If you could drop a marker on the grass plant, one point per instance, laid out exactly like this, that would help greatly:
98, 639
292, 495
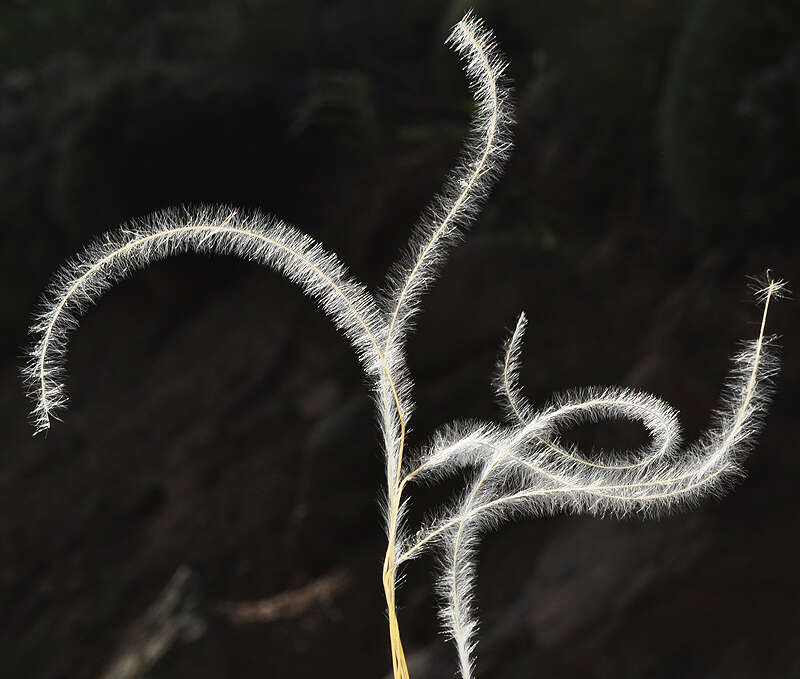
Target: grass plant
520, 467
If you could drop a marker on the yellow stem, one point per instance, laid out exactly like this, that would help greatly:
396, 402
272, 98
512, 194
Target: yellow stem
399, 666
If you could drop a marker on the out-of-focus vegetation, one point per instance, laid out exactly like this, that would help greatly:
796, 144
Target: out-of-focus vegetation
32, 31
728, 129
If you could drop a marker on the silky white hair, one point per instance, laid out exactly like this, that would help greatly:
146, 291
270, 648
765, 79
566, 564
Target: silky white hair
521, 467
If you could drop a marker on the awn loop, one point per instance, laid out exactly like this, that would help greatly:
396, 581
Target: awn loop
611, 403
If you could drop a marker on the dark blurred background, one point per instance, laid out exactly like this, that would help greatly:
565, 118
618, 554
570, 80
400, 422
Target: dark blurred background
220, 441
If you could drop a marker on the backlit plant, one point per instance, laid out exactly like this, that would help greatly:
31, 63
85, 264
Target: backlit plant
521, 467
